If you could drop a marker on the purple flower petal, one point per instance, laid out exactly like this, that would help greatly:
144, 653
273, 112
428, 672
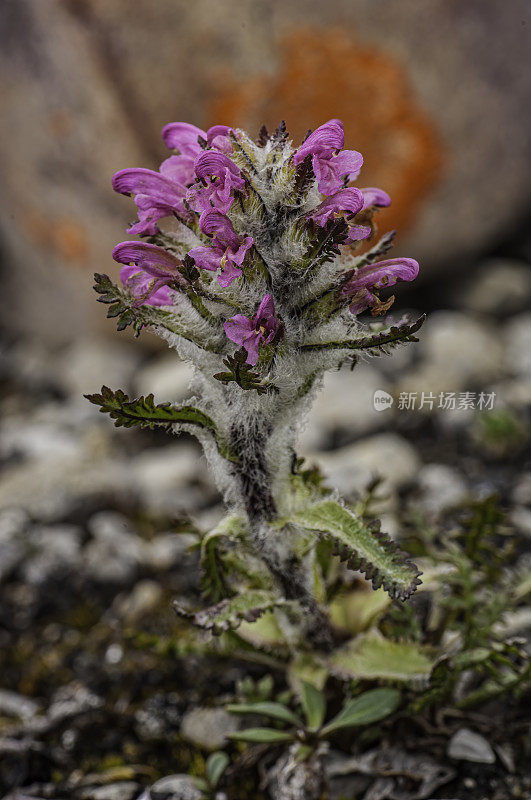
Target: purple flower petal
324, 141
357, 233
229, 272
372, 196
349, 199
162, 191
377, 276
218, 226
144, 288
238, 328
207, 257
155, 261
218, 136
331, 172
183, 137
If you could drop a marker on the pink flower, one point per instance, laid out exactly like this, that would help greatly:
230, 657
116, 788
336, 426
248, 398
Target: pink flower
184, 137
226, 251
157, 194
332, 172
345, 200
369, 279
249, 333
218, 176
331, 167
375, 197
323, 142
147, 272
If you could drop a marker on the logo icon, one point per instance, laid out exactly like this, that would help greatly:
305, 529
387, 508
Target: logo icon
382, 400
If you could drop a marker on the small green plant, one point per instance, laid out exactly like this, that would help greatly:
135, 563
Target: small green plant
307, 734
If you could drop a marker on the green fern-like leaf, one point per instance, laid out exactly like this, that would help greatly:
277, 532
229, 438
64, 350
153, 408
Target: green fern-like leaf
213, 568
229, 614
145, 413
363, 548
378, 342
372, 657
123, 306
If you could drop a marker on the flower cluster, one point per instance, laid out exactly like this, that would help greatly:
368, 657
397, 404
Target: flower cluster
210, 185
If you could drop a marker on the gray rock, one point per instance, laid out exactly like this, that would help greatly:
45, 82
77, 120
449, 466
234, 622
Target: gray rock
350, 468
141, 602
166, 478
166, 376
208, 727
56, 549
500, 286
115, 552
522, 491
441, 487
344, 403
467, 745
49, 490
121, 790
168, 550
16, 705
518, 344
21, 438
88, 364
457, 353
521, 519
175, 787
159, 717
13, 522
71, 701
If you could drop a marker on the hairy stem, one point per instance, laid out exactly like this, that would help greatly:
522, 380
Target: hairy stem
249, 440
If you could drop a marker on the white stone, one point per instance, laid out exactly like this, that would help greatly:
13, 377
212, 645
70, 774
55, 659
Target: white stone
88, 365
167, 550
467, 745
518, 344
350, 468
456, 352
208, 727
166, 376
344, 403
441, 487
498, 286
166, 478
143, 600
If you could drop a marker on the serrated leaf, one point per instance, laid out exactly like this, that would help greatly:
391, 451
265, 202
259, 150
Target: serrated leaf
264, 634
313, 705
145, 413
369, 707
364, 549
377, 343
261, 736
216, 765
371, 657
127, 312
213, 577
266, 709
229, 614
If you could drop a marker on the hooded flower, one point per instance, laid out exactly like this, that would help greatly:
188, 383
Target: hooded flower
365, 283
249, 333
331, 167
373, 196
226, 251
157, 194
218, 176
348, 200
184, 137
147, 272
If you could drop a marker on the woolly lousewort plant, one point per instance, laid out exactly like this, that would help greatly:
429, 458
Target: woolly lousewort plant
255, 263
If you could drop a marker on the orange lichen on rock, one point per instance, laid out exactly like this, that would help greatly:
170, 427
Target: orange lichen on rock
325, 74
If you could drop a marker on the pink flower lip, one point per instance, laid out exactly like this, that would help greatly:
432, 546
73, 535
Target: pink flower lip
249, 333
